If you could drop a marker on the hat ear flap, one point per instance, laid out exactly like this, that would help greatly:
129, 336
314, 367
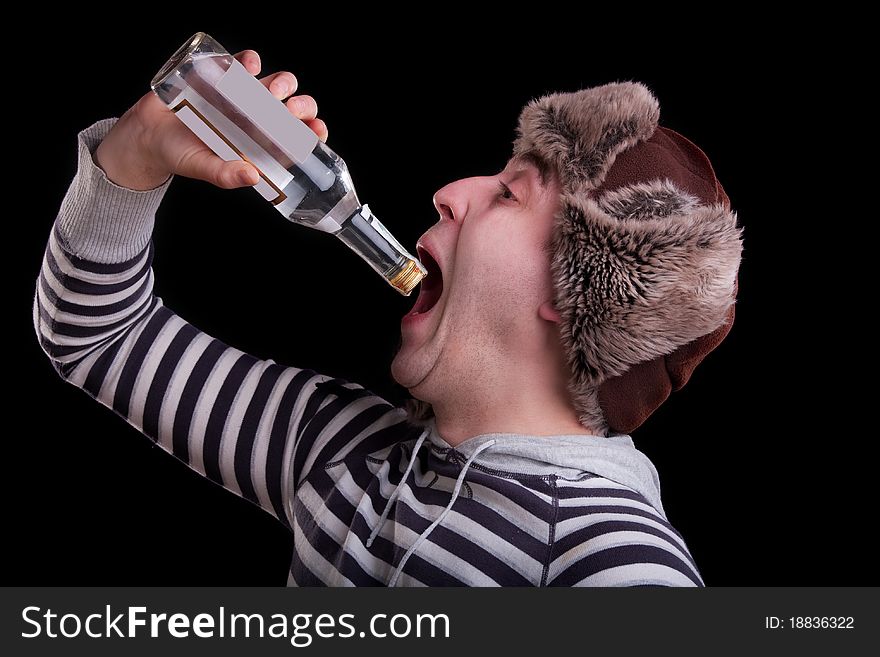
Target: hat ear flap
640, 272
656, 198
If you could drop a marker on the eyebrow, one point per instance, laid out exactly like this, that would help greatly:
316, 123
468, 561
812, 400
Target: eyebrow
539, 163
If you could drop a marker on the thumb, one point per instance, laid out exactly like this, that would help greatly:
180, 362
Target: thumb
205, 165
234, 174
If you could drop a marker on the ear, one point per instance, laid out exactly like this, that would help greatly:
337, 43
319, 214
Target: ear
548, 311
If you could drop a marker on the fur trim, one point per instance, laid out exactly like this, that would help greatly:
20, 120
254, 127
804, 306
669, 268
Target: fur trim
639, 285
654, 199
580, 134
586, 403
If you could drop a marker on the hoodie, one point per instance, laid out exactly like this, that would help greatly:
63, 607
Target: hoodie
370, 497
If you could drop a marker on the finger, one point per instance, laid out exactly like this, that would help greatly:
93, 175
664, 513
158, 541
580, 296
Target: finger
250, 59
303, 107
319, 128
281, 84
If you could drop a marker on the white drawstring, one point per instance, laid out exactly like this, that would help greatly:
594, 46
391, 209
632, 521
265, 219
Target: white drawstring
424, 534
394, 495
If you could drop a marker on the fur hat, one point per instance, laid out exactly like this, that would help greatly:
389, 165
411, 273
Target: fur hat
645, 249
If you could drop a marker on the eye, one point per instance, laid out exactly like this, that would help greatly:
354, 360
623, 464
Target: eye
505, 193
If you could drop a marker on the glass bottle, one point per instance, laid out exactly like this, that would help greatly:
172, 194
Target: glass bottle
236, 116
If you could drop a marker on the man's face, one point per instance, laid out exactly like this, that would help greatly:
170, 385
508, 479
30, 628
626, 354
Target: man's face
488, 274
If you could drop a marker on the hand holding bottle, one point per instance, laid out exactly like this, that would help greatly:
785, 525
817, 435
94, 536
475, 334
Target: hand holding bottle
227, 128
149, 143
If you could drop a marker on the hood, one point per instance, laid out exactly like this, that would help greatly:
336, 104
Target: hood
567, 455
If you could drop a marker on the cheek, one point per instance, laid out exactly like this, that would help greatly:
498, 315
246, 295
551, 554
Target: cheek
506, 265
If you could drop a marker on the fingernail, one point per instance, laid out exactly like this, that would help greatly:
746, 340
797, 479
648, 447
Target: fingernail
246, 177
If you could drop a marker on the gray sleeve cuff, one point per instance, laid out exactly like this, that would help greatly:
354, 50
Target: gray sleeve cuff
99, 220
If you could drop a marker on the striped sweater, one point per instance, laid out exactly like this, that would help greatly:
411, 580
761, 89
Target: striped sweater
370, 497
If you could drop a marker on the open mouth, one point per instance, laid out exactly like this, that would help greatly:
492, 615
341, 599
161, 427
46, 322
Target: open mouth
431, 286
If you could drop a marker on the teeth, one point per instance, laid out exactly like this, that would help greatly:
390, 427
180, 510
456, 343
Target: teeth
431, 286
421, 253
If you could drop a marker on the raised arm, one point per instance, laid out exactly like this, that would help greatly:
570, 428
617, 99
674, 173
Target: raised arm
253, 426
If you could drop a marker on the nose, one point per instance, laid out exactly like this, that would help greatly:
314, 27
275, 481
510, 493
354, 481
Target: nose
451, 201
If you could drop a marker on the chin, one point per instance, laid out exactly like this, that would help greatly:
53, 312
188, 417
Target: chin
402, 374
408, 372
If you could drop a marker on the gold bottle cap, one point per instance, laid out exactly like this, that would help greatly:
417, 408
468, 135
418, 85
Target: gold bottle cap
407, 276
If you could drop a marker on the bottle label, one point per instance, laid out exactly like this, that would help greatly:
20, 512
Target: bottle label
213, 139
253, 100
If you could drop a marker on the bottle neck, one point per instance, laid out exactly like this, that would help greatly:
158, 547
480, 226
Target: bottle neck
364, 234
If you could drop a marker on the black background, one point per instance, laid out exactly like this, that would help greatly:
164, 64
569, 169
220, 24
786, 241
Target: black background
757, 470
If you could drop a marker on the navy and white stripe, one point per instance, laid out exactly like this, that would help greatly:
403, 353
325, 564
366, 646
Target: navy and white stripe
322, 455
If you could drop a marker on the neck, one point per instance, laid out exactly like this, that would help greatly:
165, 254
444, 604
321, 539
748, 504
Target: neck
506, 404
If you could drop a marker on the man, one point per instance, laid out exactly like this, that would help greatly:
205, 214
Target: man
567, 296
